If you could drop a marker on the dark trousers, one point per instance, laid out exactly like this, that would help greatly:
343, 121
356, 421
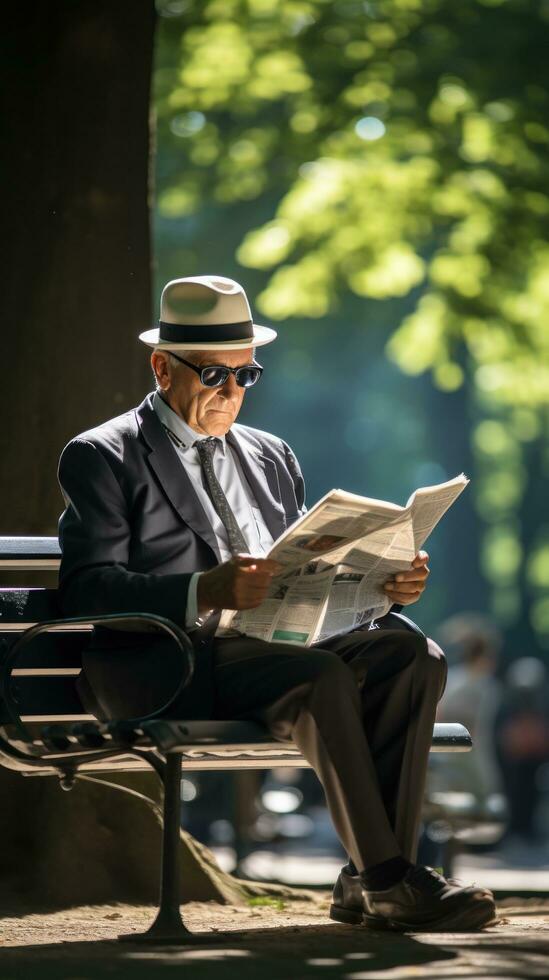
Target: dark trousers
361, 709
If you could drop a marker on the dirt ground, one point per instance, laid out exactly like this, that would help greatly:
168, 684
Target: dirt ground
272, 942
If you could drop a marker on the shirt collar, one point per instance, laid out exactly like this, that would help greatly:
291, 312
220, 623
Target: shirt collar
184, 432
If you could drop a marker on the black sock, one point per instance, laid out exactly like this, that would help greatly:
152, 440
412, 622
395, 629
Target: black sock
350, 867
385, 875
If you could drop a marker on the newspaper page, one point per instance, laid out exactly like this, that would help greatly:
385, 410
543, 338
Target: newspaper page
335, 561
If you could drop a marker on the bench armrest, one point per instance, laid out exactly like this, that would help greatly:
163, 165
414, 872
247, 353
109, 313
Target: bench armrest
154, 623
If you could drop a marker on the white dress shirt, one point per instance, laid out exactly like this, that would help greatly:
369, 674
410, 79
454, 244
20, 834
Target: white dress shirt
236, 488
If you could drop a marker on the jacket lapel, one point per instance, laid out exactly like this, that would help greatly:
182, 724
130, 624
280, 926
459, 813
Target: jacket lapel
172, 476
261, 474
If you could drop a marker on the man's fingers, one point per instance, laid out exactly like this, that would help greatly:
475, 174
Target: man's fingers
244, 561
404, 598
255, 569
416, 578
405, 588
268, 564
412, 574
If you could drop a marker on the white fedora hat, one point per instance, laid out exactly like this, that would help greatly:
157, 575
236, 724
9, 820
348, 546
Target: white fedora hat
202, 312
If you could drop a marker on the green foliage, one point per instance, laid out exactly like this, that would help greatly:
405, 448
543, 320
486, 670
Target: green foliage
408, 147
275, 903
403, 145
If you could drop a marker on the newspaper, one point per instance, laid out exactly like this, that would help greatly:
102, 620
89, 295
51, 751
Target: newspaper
335, 561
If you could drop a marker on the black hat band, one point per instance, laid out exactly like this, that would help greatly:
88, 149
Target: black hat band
183, 333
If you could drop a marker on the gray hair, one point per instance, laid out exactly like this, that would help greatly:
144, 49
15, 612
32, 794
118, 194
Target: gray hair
171, 361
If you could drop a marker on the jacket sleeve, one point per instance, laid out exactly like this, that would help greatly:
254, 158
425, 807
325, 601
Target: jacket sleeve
297, 478
94, 534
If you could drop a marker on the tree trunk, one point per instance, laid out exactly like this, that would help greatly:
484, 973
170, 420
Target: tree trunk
97, 845
77, 288
76, 295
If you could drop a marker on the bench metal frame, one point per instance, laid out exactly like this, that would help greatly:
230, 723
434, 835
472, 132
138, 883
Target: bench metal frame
165, 746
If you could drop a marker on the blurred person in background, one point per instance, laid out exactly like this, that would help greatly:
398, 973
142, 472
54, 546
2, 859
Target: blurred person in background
464, 796
522, 743
473, 694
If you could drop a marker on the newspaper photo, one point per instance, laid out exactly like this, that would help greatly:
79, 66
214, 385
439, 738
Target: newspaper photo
335, 561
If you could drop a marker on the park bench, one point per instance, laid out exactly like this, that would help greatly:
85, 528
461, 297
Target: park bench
44, 730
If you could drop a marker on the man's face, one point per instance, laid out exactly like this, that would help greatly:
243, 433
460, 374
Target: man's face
209, 411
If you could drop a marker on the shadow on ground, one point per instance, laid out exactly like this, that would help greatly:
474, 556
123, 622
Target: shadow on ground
329, 951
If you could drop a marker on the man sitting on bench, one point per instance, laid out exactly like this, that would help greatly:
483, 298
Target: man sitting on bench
169, 509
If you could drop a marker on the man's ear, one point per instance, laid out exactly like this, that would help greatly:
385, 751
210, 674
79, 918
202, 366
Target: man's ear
161, 369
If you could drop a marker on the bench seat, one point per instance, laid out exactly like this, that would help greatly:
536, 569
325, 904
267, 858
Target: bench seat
202, 745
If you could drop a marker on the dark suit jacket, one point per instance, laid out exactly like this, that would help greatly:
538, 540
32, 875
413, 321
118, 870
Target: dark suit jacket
132, 534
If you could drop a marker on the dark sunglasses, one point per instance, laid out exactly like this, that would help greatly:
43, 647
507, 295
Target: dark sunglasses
215, 375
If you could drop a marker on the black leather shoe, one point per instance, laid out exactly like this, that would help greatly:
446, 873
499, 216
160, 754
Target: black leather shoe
426, 901
348, 904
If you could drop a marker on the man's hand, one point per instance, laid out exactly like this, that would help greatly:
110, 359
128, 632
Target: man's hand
240, 583
406, 587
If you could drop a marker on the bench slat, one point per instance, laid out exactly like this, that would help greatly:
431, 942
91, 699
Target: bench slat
30, 553
258, 752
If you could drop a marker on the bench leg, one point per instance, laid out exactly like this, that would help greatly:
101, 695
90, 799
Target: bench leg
168, 927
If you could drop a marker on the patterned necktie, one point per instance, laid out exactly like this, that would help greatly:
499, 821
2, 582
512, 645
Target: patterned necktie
237, 542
